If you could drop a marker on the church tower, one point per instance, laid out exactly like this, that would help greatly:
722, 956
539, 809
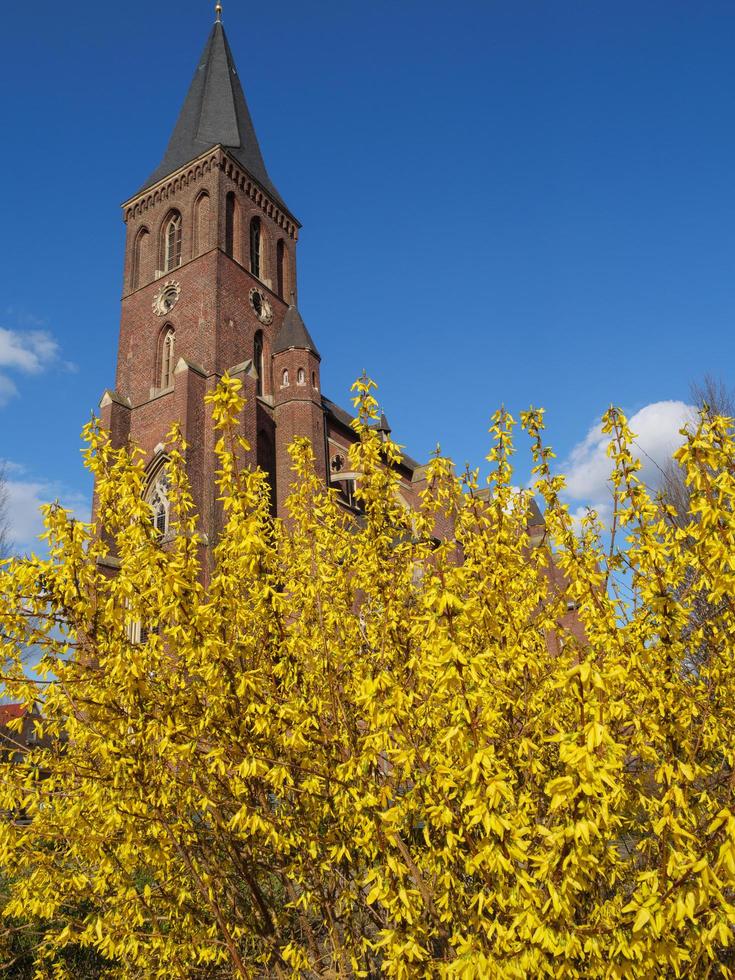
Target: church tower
210, 286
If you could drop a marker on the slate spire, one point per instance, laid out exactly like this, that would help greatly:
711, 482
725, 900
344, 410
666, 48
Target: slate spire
215, 113
293, 332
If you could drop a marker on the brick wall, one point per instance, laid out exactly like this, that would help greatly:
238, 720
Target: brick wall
215, 326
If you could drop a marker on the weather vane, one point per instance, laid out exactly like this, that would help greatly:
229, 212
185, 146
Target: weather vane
218, 11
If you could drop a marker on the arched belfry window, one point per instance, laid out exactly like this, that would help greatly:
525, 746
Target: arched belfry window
140, 258
167, 358
281, 268
256, 248
284, 379
172, 242
301, 377
258, 361
232, 227
157, 497
201, 224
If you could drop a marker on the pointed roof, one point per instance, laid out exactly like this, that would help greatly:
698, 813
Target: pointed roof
215, 113
293, 332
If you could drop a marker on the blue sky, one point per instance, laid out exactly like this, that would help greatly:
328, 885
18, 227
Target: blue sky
503, 202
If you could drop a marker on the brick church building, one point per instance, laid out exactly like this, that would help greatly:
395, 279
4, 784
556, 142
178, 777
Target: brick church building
210, 286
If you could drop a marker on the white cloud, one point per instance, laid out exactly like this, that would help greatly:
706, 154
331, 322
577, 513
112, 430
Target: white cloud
24, 499
656, 427
29, 351
7, 390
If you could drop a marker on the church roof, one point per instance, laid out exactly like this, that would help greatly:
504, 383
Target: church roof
293, 332
215, 113
345, 418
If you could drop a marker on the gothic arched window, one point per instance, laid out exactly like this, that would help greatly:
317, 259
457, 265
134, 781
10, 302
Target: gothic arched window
232, 227
258, 361
157, 497
140, 257
284, 379
201, 224
256, 248
301, 377
172, 242
166, 358
281, 268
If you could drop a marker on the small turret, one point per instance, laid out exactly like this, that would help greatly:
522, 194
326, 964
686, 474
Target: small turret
295, 359
293, 334
297, 392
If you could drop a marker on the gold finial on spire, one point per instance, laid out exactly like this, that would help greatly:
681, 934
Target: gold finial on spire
218, 12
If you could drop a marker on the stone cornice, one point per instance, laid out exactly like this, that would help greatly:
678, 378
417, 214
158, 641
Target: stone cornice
215, 159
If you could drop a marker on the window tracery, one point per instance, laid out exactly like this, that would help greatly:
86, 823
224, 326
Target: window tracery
157, 497
172, 243
167, 360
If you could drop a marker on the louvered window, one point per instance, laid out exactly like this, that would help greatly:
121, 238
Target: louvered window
232, 227
280, 268
258, 361
255, 250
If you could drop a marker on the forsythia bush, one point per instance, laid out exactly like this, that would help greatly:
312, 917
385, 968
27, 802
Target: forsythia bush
357, 751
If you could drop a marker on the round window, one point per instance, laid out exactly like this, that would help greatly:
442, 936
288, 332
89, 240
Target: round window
166, 298
262, 307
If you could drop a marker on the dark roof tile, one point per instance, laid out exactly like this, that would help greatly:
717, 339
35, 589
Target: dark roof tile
334, 410
215, 113
293, 332
339, 414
